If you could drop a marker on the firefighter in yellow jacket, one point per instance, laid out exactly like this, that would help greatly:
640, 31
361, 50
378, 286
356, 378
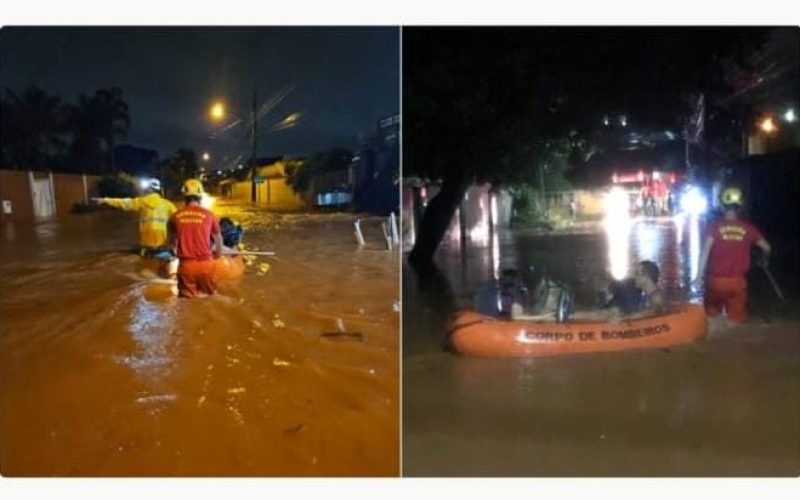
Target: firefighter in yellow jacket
154, 212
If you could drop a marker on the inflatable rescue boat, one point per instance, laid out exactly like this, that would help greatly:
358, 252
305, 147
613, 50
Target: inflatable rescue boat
473, 334
225, 267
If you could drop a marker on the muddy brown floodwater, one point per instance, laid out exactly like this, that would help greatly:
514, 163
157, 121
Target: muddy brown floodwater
725, 406
104, 373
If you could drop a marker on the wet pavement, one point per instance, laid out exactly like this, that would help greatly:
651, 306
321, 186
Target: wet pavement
104, 373
726, 406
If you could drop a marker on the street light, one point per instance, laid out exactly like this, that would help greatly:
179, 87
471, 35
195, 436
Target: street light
789, 116
206, 156
217, 111
768, 125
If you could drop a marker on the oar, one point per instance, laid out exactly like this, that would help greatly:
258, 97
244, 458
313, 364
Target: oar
246, 252
774, 283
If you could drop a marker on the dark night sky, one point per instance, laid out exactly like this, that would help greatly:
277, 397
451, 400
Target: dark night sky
344, 79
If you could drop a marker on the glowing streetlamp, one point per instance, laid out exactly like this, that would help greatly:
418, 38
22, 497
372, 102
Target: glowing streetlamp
217, 111
790, 116
206, 156
767, 125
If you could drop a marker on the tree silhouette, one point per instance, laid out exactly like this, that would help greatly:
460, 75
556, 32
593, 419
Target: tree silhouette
300, 176
177, 168
33, 128
95, 124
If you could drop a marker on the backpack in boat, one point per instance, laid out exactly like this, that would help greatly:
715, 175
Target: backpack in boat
232, 233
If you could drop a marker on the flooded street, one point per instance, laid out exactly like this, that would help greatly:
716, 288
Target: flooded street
104, 373
726, 406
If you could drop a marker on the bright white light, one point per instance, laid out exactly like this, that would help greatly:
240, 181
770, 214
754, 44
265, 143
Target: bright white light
480, 231
606, 121
617, 224
617, 204
694, 201
143, 183
694, 247
495, 255
617, 236
789, 116
623, 120
207, 201
647, 241
494, 211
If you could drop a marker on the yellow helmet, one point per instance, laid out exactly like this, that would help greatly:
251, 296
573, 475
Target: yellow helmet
192, 187
731, 196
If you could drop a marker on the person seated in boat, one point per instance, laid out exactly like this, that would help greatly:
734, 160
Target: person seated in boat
232, 234
634, 297
498, 297
546, 300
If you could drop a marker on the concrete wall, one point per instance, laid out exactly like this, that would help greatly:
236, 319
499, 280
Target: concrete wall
15, 187
68, 189
590, 203
275, 193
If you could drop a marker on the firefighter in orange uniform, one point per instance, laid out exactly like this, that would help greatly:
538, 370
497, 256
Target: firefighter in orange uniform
191, 229
725, 259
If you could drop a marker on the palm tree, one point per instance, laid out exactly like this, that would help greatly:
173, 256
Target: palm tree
33, 128
96, 122
85, 150
113, 119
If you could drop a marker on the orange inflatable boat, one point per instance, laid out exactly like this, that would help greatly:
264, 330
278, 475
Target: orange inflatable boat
474, 334
225, 267
228, 267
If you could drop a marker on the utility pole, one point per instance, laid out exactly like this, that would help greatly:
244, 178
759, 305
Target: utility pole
542, 194
253, 162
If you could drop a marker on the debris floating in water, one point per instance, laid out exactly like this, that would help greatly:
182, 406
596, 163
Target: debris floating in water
236, 390
396, 307
356, 336
256, 323
280, 362
277, 323
200, 401
156, 398
340, 324
295, 429
263, 268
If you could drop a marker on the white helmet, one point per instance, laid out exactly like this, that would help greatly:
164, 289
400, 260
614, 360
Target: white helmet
151, 184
